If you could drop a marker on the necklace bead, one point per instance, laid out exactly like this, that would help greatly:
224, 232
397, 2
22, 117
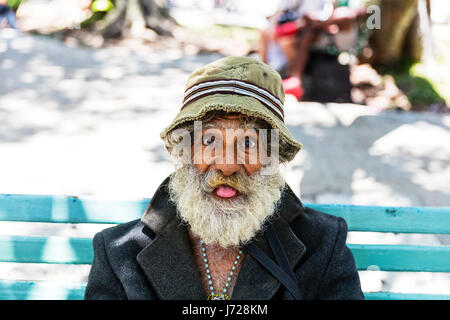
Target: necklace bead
227, 283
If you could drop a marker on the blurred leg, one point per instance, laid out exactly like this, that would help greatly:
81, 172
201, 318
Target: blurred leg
296, 50
11, 17
306, 39
290, 46
264, 39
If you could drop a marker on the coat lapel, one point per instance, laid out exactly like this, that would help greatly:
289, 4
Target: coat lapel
169, 264
168, 261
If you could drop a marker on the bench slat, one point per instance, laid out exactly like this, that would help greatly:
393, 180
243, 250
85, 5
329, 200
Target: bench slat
404, 296
432, 220
43, 290
56, 250
40, 290
69, 209
401, 257
79, 251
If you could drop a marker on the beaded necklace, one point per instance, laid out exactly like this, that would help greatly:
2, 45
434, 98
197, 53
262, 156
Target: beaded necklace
223, 295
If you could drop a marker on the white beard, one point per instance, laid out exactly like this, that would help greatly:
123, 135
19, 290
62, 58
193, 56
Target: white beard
227, 222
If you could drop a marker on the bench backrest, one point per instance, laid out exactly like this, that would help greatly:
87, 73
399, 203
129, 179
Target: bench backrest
69, 209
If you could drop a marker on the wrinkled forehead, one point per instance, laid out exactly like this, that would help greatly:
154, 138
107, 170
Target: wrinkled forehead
222, 120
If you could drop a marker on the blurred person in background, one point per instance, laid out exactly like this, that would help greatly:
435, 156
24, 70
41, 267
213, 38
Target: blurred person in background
295, 27
7, 13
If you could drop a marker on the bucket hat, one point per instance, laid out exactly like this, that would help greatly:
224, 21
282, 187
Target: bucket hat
236, 84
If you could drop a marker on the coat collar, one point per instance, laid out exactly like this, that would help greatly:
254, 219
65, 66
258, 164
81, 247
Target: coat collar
169, 264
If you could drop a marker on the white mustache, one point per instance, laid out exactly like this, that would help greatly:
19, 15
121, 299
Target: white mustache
238, 181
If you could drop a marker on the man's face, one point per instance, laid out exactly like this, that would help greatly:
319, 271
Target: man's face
223, 196
229, 149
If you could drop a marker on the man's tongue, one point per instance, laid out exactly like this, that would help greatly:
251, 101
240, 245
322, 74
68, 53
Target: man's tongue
225, 192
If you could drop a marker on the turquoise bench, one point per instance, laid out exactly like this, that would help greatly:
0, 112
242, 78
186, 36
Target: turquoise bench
73, 210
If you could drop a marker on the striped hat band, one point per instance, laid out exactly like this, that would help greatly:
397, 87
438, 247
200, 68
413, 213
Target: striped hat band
231, 86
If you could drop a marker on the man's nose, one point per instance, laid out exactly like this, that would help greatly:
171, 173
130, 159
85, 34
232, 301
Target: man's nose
227, 162
228, 169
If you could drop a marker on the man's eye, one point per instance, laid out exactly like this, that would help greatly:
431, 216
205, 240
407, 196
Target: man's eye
248, 143
207, 140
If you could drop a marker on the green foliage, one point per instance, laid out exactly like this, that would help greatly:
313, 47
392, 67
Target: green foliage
102, 5
424, 83
96, 16
14, 4
421, 91
99, 9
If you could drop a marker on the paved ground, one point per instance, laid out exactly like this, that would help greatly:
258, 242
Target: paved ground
80, 121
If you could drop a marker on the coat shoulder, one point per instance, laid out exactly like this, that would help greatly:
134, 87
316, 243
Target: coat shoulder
306, 221
115, 273
320, 219
317, 229
133, 233
328, 263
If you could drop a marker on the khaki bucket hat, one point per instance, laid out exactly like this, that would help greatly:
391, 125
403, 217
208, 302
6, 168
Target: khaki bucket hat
236, 84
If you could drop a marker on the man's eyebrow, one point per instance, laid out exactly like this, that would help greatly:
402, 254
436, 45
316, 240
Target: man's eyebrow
244, 125
212, 125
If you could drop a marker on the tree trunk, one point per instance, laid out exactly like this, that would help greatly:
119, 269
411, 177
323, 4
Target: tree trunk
114, 21
134, 15
157, 16
399, 36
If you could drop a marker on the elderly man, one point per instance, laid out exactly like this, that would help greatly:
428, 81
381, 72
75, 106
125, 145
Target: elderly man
225, 225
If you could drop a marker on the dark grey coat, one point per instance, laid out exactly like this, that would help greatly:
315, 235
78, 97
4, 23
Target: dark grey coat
152, 258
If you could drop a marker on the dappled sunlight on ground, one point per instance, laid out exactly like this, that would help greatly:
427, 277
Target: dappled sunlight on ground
355, 155
88, 123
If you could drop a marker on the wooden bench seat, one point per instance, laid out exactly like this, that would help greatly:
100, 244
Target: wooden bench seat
68, 209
